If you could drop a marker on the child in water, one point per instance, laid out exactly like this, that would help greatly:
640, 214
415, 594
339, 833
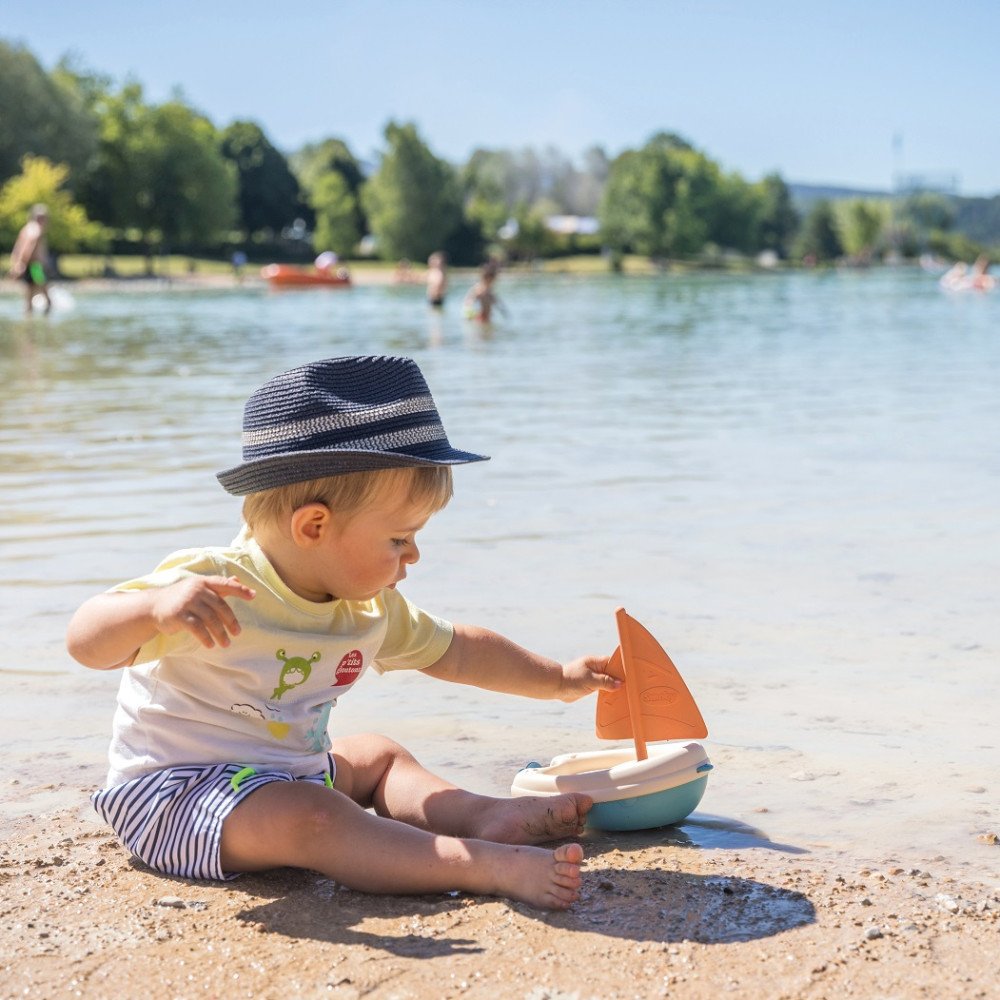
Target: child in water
481, 299
234, 656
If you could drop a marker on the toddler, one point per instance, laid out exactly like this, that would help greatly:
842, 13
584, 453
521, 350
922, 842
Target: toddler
234, 656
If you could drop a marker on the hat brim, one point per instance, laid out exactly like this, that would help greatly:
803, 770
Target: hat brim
283, 470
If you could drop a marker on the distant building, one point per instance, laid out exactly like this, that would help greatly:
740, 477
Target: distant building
572, 225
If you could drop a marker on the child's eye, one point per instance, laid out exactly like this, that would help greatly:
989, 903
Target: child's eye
400, 542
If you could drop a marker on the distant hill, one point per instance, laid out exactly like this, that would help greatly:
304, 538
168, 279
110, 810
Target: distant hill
806, 195
979, 219
976, 218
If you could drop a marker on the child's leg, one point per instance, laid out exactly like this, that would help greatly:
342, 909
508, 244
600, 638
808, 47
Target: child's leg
378, 773
304, 825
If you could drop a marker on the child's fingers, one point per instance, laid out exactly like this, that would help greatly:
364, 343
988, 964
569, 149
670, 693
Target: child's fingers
230, 586
216, 617
596, 673
209, 632
204, 612
215, 620
209, 627
605, 682
586, 675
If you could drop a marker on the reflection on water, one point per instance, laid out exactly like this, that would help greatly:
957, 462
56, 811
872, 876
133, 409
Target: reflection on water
790, 479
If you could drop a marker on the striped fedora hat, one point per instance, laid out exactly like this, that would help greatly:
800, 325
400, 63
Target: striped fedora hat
352, 414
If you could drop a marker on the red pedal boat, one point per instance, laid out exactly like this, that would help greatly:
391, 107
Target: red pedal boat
289, 276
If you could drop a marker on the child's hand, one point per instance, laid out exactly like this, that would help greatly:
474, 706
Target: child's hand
196, 605
589, 673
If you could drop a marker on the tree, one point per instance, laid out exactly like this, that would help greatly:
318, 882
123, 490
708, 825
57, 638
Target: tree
590, 181
978, 219
485, 181
313, 164
860, 224
159, 169
778, 221
412, 201
193, 191
315, 160
685, 229
43, 182
818, 239
667, 199
336, 211
632, 204
269, 197
927, 211
112, 185
41, 115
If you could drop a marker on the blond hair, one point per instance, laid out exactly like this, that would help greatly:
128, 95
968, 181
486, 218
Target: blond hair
426, 487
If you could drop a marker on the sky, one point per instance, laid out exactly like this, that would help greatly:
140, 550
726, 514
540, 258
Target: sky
852, 93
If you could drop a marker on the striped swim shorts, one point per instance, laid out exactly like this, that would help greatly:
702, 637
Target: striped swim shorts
172, 819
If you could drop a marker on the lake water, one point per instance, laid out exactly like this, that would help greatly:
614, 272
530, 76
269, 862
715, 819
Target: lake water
791, 480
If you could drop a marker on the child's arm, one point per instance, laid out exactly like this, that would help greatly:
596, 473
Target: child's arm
107, 630
485, 659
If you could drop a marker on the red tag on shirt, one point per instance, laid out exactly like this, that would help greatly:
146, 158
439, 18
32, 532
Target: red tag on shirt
348, 669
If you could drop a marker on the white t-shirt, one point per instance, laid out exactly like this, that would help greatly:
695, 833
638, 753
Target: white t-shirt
264, 701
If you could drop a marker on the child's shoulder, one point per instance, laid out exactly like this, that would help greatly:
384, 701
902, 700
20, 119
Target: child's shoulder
206, 560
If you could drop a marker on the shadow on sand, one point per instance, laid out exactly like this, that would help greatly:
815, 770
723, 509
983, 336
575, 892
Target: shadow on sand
657, 902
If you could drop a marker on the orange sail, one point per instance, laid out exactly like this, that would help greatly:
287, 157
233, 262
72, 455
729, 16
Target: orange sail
654, 702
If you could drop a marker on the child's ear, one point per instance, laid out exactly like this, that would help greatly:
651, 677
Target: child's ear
309, 522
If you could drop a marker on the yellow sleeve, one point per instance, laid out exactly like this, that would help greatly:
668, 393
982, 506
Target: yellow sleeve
414, 639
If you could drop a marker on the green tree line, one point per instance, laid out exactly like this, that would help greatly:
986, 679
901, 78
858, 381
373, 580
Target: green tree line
120, 172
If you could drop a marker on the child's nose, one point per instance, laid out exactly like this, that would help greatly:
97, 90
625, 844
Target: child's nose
412, 553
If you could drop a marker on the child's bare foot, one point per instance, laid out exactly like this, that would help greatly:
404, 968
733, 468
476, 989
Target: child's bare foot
546, 879
534, 819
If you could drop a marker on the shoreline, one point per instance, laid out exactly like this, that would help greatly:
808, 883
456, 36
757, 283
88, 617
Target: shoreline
367, 275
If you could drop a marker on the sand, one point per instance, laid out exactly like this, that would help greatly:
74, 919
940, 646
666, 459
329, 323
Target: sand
657, 917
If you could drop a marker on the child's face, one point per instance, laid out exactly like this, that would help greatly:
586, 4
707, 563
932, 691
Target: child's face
370, 549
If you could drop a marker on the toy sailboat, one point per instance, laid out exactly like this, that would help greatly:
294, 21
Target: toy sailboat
634, 790
654, 702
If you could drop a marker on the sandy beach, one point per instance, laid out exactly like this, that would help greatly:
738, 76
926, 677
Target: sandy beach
656, 919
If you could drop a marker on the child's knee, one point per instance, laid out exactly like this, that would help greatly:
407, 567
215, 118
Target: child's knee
367, 751
363, 762
386, 750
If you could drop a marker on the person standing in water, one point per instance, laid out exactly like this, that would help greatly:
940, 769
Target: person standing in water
437, 279
30, 257
481, 299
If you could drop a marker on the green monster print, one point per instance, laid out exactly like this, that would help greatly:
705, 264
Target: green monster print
295, 671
